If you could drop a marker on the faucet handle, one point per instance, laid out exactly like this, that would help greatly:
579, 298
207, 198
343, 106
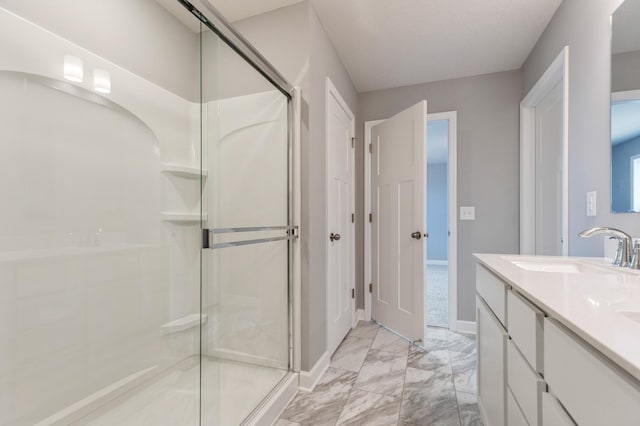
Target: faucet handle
618, 259
635, 259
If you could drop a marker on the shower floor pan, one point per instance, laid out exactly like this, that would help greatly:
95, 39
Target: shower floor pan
230, 392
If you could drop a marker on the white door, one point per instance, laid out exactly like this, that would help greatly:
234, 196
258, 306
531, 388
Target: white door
549, 174
398, 186
340, 191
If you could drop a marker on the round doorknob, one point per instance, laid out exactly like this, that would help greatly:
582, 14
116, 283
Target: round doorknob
334, 237
417, 235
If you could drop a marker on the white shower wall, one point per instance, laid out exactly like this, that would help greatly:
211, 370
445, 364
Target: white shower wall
92, 275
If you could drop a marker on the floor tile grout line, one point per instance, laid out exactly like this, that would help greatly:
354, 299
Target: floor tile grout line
453, 382
353, 385
404, 384
455, 388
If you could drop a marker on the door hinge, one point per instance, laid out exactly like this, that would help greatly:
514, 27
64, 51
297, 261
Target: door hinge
353, 218
353, 293
353, 142
370, 287
206, 238
370, 217
370, 148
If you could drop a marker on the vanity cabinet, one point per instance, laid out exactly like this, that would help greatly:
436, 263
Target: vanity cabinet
533, 371
492, 372
593, 390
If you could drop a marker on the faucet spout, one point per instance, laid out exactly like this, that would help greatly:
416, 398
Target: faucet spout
623, 257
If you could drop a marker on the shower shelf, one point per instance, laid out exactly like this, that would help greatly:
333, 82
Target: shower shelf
188, 172
184, 323
182, 217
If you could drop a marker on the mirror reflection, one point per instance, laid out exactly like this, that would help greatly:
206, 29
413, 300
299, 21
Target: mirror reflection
625, 108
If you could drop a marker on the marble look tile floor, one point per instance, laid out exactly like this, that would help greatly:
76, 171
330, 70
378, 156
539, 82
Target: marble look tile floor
377, 379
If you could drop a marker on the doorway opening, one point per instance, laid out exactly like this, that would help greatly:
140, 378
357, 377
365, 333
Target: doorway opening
437, 259
438, 266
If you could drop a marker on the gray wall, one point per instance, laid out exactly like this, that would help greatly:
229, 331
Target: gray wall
585, 27
488, 160
625, 71
139, 35
282, 36
437, 208
295, 42
621, 163
324, 63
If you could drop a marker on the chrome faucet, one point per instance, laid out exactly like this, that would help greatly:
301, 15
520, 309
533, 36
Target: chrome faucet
623, 255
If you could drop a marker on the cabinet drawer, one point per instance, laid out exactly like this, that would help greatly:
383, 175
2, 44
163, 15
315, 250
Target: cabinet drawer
525, 323
526, 385
590, 387
492, 371
514, 415
493, 290
552, 412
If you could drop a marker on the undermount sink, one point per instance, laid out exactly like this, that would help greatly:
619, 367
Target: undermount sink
571, 268
557, 265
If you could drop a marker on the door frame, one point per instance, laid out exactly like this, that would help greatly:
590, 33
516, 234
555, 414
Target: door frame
452, 250
556, 73
331, 90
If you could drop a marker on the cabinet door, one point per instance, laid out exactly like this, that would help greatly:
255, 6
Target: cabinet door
593, 390
492, 371
552, 412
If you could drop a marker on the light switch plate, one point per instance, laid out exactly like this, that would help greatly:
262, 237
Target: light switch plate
591, 203
467, 213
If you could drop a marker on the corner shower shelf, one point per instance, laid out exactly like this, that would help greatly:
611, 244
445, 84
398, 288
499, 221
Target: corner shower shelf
182, 217
188, 172
184, 323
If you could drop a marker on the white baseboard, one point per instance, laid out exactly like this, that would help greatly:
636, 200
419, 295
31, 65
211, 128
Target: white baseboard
277, 402
309, 379
437, 262
359, 315
467, 327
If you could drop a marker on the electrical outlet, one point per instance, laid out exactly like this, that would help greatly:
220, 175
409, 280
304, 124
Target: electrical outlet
467, 213
591, 203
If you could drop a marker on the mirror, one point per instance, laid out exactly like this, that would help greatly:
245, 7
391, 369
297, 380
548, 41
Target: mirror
625, 108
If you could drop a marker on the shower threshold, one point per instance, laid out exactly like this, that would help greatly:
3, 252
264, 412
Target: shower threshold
230, 393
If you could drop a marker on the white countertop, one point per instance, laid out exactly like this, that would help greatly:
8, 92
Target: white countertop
589, 303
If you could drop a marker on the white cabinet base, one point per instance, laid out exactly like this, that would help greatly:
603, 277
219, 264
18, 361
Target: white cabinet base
492, 371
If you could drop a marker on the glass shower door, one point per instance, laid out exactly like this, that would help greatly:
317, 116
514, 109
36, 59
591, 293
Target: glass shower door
245, 269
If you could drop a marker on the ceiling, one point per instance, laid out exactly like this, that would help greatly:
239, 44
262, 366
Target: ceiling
386, 44
391, 43
235, 10
625, 29
232, 10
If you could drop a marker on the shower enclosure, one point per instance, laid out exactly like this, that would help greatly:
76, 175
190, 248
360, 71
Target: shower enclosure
147, 238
